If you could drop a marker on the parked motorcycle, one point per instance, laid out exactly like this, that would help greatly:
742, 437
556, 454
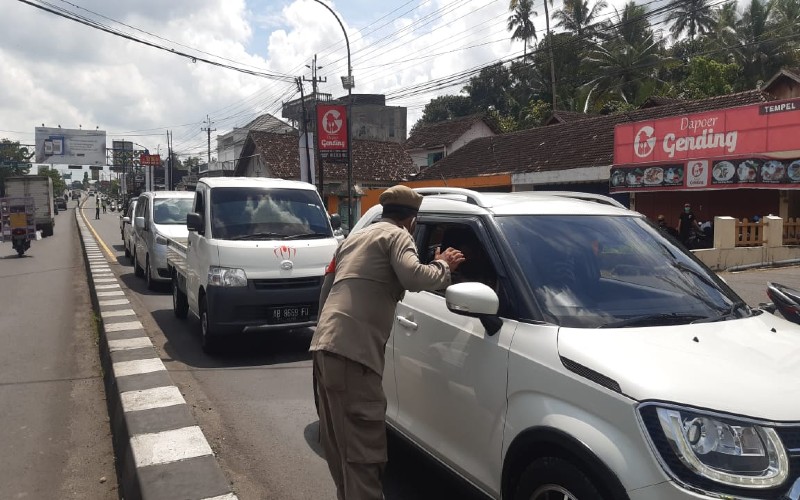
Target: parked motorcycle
785, 300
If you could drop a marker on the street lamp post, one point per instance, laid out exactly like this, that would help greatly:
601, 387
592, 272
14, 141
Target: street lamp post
348, 83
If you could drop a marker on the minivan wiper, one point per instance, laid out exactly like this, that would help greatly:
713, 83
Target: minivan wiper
306, 235
731, 312
258, 236
655, 320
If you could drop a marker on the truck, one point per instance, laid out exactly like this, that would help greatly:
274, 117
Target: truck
40, 188
254, 258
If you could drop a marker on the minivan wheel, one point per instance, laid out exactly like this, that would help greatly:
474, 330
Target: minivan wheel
180, 305
207, 340
148, 274
137, 269
555, 478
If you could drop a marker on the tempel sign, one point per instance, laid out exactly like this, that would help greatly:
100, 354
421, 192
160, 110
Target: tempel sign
757, 146
332, 128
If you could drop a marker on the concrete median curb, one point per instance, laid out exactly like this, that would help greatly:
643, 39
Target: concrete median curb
161, 452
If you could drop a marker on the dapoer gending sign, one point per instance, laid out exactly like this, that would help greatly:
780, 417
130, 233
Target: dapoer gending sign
756, 146
332, 129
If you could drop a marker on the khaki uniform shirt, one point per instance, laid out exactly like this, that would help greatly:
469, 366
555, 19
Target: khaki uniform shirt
374, 267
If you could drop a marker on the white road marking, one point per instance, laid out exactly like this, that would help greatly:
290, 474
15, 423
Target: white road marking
124, 344
169, 446
114, 314
229, 496
138, 366
113, 302
147, 399
106, 287
105, 280
126, 325
110, 294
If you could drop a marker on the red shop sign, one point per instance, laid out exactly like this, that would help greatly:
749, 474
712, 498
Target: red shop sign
332, 131
759, 129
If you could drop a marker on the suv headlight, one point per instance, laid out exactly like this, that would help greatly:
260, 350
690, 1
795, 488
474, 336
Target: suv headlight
226, 276
732, 452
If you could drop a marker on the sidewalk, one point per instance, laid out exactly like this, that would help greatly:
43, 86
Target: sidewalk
161, 452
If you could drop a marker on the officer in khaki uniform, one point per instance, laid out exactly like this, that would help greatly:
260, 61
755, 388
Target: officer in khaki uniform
373, 268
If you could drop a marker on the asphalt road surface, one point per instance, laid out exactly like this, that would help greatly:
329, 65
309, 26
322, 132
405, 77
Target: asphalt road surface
55, 440
255, 406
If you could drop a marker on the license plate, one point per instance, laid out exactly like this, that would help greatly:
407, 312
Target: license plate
292, 314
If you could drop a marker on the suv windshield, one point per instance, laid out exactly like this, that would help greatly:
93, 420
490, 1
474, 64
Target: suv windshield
171, 210
258, 213
600, 271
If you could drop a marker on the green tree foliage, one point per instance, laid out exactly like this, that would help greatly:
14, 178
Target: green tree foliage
578, 18
520, 23
59, 186
13, 151
708, 78
692, 17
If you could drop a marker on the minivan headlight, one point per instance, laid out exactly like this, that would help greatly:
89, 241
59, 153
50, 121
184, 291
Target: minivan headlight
725, 450
226, 276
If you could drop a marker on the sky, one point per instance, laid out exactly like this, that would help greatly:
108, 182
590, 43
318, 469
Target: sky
55, 71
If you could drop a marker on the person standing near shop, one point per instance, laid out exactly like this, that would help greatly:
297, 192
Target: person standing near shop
372, 270
687, 225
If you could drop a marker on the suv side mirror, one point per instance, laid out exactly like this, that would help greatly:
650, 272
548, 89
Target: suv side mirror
476, 300
126, 220
194, 222
336, 221
138, 222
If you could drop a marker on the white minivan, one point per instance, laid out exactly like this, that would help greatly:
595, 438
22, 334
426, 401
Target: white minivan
158, 215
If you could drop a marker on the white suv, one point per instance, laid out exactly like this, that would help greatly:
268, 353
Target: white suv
583, 355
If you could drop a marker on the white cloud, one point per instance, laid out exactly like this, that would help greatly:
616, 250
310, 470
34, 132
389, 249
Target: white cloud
56, 71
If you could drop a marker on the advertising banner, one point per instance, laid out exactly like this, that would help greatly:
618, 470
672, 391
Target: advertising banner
749, 146
332, 125
147, 160
64, 146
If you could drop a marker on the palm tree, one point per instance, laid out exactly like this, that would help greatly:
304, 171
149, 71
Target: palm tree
632, 26
692, 16
521, 23
787, 15
577, 17
757, 50
513, 5
621, 68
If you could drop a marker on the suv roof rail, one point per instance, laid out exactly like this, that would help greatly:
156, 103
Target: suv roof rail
599, 198
472, 197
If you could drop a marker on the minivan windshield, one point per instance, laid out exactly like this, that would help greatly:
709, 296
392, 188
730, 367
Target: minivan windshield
266, 214
171, 210
590, 271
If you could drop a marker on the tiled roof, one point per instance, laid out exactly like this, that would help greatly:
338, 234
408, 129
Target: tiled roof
269, 123
566, 116
373, 161
581, 143
656, 100
444, 133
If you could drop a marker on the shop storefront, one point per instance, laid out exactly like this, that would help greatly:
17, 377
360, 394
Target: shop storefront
737, 162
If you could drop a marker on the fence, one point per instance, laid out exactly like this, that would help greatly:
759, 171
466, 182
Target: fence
749, 234
791, 231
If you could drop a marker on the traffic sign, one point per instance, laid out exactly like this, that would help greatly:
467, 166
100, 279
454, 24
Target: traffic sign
76, 166
14, 164
95, 167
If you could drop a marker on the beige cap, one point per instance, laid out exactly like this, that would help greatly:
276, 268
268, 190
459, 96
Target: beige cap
401, 196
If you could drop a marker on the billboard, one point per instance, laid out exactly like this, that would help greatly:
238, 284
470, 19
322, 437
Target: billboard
752, 146
332, 131
62, 146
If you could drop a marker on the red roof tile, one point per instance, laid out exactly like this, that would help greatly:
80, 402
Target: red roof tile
373, 161
446, 132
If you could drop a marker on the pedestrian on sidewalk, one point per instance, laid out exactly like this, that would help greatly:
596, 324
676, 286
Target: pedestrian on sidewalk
104, 205
371, 271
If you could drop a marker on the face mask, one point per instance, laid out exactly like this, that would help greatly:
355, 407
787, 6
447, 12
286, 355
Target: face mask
687, 209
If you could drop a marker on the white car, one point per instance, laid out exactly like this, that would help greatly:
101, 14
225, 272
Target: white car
158, 215
582, 355
126, 228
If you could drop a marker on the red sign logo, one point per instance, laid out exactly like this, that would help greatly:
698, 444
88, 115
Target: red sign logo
645, 142
285, 252
332, 132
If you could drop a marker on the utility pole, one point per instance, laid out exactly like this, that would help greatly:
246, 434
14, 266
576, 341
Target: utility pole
209, 130
317, 154
299, 82
168, 180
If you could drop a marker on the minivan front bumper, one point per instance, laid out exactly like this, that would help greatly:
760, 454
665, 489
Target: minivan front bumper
669, 490
253, 308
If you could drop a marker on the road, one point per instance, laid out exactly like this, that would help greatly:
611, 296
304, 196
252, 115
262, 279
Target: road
55, 440
254, 401
255, 405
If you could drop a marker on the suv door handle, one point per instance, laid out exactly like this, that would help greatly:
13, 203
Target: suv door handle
406, 322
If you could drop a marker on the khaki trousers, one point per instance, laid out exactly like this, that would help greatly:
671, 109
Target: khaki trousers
352, 425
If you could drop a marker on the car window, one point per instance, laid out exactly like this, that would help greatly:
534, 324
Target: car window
171, 211
259, 213
601, 271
